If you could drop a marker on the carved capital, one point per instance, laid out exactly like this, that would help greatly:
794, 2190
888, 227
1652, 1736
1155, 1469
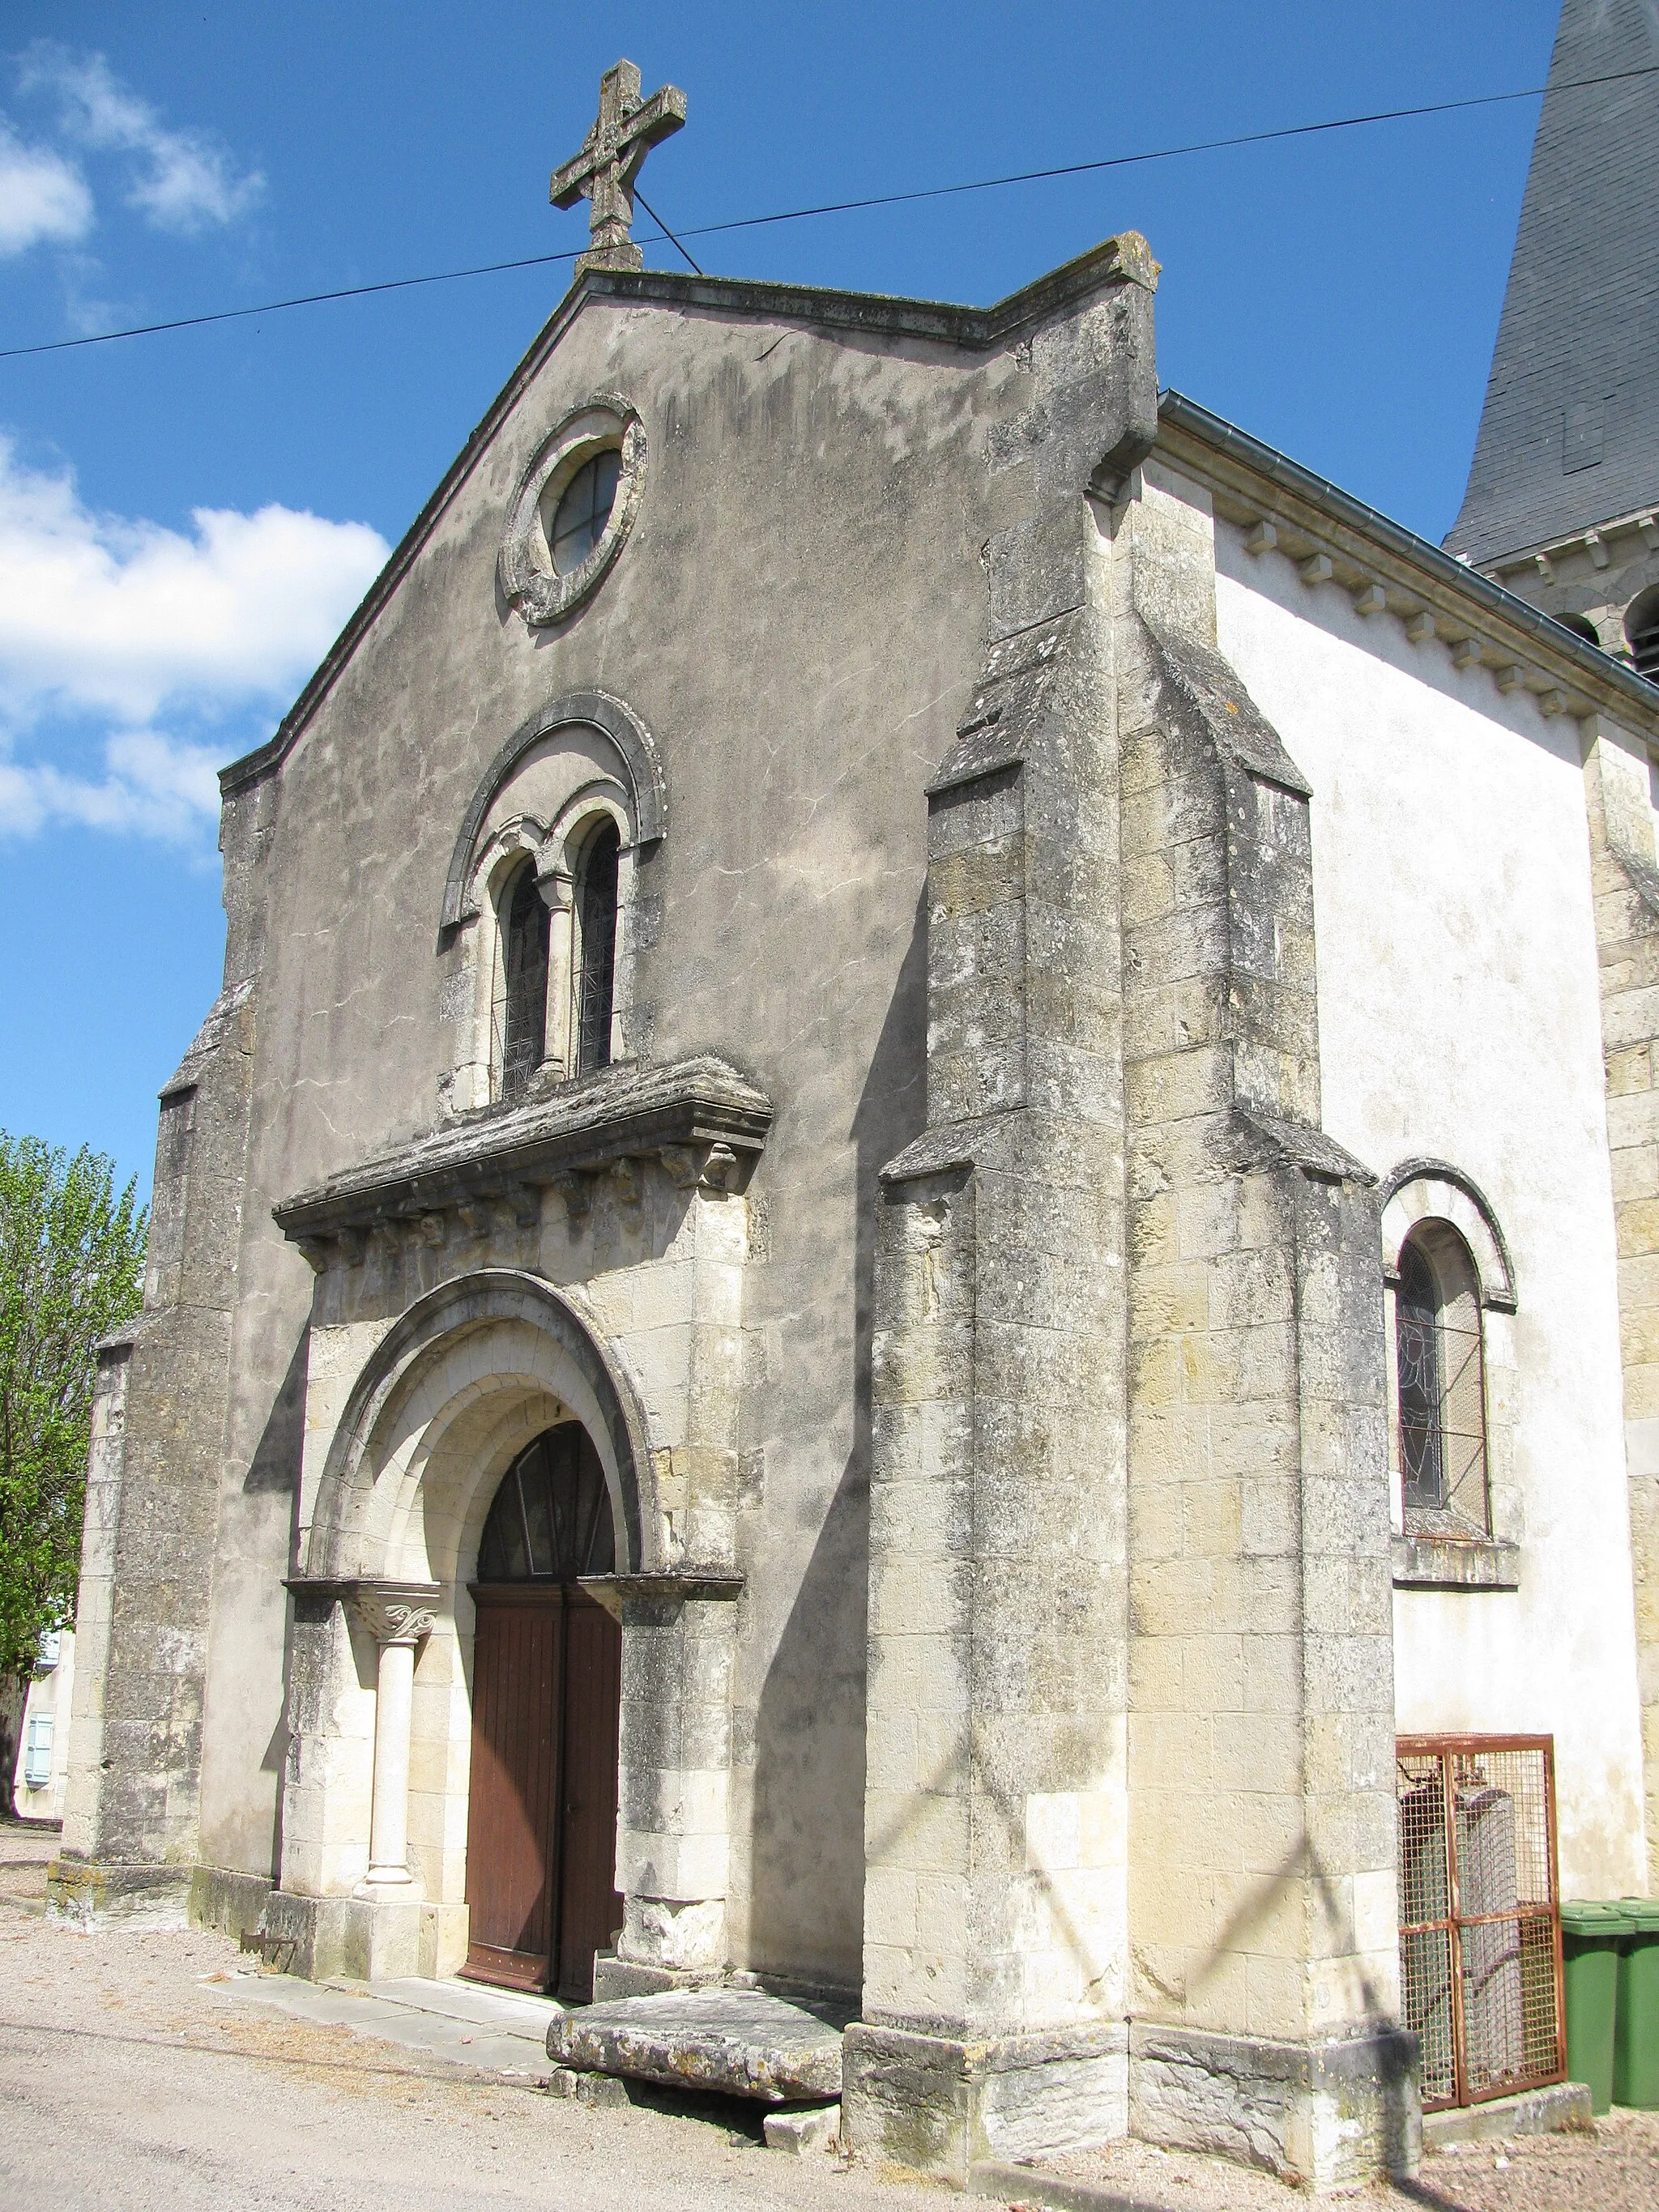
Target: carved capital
394, 1613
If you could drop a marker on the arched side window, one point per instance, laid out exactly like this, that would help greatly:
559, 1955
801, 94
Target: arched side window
1441, 1388
593, 954
1449, 1301
1642, 633
519, 1009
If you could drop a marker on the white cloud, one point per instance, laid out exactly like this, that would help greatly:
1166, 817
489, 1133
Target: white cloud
152, 786
43, 199
186, 183
125, 625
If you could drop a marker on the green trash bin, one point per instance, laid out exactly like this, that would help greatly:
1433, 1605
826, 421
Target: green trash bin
1590, 1938
1635, 2034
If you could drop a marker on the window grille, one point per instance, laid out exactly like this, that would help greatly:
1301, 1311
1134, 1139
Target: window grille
37, 1752
1480, 1914
1442, 1386
520, 1010
593, 971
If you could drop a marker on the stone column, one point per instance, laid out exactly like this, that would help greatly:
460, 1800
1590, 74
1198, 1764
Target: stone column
397, 1621
1626, 886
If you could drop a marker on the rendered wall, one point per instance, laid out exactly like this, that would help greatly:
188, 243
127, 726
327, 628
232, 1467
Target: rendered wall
1460, 1019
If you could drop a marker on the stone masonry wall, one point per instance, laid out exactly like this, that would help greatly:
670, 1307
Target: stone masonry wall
1627, 891
140, 1807
1262, 1898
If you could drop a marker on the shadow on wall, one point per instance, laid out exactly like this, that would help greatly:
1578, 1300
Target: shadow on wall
274, 1472
807, 1839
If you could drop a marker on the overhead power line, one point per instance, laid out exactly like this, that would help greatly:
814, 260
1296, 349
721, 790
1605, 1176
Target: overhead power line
845, 207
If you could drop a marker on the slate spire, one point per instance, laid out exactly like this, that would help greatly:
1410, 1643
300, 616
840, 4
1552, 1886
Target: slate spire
1570, 433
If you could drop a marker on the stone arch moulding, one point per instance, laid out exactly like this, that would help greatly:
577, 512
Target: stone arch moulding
642, 776
422, 1333
1448, 1195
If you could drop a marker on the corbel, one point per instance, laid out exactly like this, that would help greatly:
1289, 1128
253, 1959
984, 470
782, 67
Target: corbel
577, 1192
353, 1243
1370, 600
1316, 568
474, 1216
1263, 539
523, 1201
625, 1177
701, 1167
316, 1252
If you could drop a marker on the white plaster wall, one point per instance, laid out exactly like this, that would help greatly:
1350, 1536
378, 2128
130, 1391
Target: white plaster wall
1459, 1017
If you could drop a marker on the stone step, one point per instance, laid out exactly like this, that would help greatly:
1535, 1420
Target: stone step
742, 2043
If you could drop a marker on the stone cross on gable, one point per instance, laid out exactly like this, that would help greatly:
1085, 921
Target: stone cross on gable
612, 153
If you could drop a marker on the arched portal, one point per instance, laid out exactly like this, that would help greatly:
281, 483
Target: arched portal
546, 1707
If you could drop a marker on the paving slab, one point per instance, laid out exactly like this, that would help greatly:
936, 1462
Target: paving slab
438, 2025
743, 2043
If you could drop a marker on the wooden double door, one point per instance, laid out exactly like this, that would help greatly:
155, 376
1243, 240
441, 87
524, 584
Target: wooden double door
542, 1816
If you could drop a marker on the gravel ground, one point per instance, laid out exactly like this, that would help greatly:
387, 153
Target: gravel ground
131, 2077
1616, 2169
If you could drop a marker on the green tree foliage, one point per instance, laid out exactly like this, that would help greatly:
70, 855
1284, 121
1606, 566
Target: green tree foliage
72, 1267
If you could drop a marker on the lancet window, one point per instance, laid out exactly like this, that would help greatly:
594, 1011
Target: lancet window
521, 1007
593, 964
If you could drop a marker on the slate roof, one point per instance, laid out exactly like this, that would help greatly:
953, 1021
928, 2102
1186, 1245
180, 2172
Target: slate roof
1570, 433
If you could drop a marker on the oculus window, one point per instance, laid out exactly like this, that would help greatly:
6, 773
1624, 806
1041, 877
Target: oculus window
580, 519
572, 510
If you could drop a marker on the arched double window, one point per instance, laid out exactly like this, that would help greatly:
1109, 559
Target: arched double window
1440, 1368
553, 999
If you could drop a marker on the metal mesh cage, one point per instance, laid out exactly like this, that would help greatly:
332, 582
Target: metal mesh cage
1479, 1922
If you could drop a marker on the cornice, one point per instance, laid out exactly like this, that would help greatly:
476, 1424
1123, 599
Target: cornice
1334, 538
701, 1121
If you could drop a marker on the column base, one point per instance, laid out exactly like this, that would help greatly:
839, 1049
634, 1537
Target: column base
1328, 2115
942, 2106
87, 1894
677, 1934
360, 1939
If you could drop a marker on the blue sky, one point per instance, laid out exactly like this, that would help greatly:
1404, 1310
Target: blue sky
185, 520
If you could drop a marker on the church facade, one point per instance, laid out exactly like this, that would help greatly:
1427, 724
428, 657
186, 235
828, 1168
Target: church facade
926, 1188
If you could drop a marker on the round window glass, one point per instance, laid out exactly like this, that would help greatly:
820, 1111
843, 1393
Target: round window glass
583, 512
